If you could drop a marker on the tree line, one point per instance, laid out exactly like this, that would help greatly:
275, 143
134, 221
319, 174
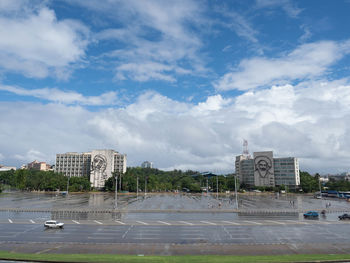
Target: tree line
153, 180
32, 180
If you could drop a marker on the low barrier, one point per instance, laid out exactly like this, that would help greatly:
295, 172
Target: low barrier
124, 210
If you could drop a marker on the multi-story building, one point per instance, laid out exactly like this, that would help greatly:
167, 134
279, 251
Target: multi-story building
97, 165
40, 166
264, 170
7, 168
147, 164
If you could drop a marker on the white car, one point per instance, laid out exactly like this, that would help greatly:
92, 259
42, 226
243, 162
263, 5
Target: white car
53, 224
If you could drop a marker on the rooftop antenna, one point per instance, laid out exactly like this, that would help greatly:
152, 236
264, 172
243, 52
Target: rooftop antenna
245, 148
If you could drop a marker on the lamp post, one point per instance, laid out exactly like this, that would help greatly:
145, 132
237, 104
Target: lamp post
145, 185
68, 184
236, 192
137, 187
207, 186
217, 187
116, 192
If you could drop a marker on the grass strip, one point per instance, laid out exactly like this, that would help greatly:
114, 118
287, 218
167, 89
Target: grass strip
171, 259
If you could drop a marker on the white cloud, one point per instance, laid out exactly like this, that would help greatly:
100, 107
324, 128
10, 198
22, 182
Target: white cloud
305, 62
239, 24
34, 43
287, 5
310, 121
155, 40
66, 97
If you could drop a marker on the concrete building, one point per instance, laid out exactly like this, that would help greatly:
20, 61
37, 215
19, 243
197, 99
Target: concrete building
7, 168
97, 165
264, 170
147, 164
40, 166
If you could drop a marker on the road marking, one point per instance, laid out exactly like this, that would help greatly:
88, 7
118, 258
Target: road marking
231, 223
76, 222
10, 221
119, 222
31, 221
124, 235
297, 222
165, 223
324, 222
99, 238
253, 222
275, 222
206, 222
98, 222
145, 238
187, 223
140, 222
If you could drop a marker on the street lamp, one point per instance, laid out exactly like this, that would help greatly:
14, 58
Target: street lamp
68, 184
236, 192
116, 192
145, 185
217, 187
137, 187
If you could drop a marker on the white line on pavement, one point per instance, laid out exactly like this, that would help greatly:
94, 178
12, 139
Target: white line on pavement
76, 222
297, 222
98, 222
145, 238
253, 222
275, 222
10, 221
165, 223
187, 223
206, 222
231, 223
140, 222
31, 221
119, 222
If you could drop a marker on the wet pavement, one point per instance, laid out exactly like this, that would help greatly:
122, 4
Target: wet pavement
99, 206
180, 201
203, 222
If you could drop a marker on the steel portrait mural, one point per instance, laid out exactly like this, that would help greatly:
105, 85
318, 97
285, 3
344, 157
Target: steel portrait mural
98, 168
263, 169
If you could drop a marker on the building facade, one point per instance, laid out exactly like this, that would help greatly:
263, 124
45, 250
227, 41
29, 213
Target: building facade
39, 166
264, 170
4, 168
147, 164
97, 165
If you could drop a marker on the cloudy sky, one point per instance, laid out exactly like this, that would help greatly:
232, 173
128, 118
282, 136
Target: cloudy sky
178, 83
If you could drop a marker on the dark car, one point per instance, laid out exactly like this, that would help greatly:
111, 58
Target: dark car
311, 214
344, 216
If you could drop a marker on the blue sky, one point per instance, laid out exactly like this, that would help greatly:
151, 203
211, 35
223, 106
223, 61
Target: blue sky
178, 83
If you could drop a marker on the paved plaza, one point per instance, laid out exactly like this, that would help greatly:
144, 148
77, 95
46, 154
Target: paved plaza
171, 224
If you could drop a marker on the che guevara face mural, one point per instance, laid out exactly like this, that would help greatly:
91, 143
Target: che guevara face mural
263, 165
99, 165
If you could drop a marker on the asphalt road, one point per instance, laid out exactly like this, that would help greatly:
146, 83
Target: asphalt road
204, 237
245, 232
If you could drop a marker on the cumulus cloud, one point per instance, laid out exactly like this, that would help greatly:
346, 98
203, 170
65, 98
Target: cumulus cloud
309, 121
287, 5
66, 97
34, 43
155, 40
305, 62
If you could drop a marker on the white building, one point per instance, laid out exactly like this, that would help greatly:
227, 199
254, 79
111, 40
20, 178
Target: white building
264, 170
7, 168
147, 164
97, 165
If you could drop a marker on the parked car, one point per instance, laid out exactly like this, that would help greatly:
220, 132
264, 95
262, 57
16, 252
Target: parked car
344, 216
53, 224
311, 214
